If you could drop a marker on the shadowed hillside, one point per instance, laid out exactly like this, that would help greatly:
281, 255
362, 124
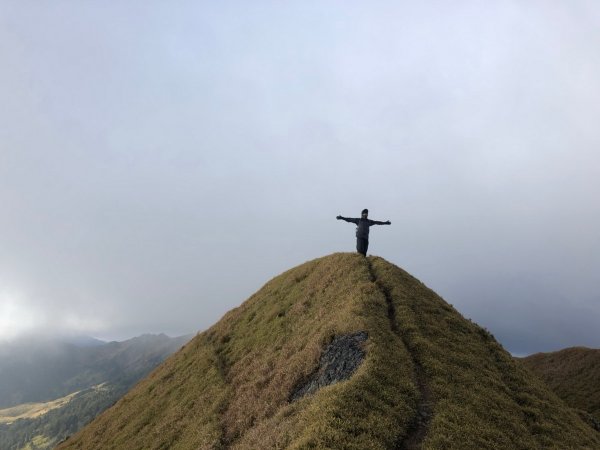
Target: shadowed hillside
46, 369
573, 373
54, 388
340, 352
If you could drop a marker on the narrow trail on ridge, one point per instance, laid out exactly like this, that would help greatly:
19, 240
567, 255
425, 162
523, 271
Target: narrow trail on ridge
419, 426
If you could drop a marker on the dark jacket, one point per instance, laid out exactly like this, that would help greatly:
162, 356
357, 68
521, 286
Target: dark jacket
362, 229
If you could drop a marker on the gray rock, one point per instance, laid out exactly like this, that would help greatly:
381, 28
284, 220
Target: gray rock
337, 363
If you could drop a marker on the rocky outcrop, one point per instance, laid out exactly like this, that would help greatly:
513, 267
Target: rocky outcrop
337, 363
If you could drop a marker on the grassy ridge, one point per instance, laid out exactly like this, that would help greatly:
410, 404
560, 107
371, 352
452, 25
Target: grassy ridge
483, 398
573, 373
230, 386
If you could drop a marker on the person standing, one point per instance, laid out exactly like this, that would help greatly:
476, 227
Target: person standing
362, 229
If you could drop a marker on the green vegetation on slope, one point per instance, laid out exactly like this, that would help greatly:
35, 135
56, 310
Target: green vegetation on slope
230, 387
41, 370
45, 431
573, 373
117, 365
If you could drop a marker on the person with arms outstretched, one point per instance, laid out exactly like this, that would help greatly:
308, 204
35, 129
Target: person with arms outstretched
362, 229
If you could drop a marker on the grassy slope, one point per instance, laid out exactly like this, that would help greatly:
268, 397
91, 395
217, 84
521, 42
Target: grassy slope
484, 399
229, 386
573, 373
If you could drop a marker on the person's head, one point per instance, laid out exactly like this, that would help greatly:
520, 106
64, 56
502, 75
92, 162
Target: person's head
365, 213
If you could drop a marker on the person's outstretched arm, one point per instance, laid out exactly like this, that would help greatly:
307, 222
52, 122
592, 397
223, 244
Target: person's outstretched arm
348, 219
377, 222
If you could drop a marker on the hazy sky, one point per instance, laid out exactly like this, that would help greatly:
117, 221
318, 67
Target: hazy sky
160, 161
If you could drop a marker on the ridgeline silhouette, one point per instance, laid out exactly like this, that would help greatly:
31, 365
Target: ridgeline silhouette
340, 352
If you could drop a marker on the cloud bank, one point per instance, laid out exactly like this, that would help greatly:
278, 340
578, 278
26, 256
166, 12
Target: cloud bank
159, 163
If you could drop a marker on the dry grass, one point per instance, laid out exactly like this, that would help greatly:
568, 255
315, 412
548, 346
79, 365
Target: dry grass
229, 387
483, 398
573, 373
33, 410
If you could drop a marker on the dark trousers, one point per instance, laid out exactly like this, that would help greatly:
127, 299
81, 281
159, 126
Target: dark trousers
361, 245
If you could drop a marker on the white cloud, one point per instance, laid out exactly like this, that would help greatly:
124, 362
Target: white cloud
16, 317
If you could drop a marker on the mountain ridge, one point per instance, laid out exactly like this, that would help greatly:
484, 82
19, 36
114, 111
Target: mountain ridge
34, 370
573, 373
429, 376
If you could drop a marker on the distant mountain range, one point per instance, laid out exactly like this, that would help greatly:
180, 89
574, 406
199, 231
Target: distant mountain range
49, 388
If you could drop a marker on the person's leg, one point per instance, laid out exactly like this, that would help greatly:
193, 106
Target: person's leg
361, 246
